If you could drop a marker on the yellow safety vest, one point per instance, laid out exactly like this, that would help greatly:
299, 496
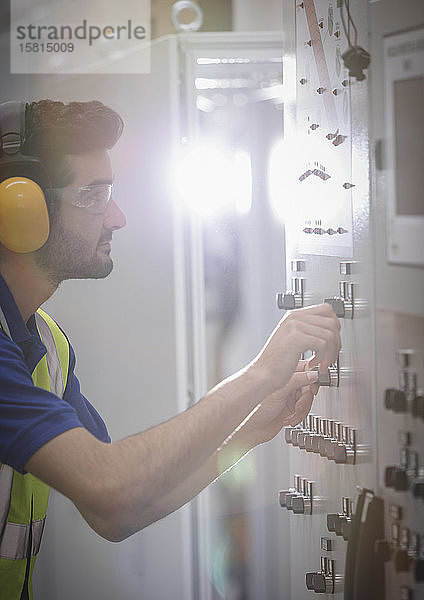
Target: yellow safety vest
24, 498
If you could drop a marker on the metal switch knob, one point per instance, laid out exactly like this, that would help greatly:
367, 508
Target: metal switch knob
345, 528
301, 439
288, 434
298, 505
417, 487
343, 307
400, 480
331, 448
323, 584
289, 500
417, 406
295, 436
330, 378
315, 443
282, 497
395, 400
309, 442
309, 580
388, 476
289, 300
332, 521
340, 454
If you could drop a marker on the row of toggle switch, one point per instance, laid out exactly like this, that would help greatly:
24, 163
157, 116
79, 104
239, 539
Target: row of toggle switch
326, 437
339, 523
324, 581
405, 549
407, 398
299, 499
400, 401
408, 475
342, 306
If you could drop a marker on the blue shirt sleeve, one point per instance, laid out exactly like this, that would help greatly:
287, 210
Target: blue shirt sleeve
31, 416
85, 411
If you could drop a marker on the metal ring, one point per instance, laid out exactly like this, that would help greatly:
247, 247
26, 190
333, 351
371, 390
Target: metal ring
182, 5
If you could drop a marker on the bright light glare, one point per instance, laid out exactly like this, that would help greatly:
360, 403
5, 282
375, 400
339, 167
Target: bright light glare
210, 181
243, 182
282, 180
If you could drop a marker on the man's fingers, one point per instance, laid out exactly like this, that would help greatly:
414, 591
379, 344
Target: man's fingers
325, 309
302, 365
325, 342
300, 393
300, 379
313, 328
314, 388
301, 409
321, 324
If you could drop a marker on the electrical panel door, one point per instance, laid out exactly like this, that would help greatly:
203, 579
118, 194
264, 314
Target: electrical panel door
356, 487
332, 453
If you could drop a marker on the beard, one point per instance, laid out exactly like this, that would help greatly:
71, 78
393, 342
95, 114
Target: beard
67, 255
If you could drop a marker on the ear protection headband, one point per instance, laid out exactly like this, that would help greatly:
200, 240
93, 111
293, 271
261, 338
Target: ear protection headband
24, 218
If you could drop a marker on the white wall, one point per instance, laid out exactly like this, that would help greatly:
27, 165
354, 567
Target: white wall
257, 15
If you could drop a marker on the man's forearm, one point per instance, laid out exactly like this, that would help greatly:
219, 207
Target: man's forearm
168, 454
231, 451
115, 486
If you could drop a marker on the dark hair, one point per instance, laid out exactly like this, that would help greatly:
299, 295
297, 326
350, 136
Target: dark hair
54, 129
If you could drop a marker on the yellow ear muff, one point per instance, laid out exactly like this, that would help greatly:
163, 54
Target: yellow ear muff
24, 220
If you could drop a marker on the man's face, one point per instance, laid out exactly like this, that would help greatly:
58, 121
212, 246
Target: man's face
79, 243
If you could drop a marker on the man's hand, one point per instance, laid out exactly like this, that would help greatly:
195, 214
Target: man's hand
286, 406
313, 328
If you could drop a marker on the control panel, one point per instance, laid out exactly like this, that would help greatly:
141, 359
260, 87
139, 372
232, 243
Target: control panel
332, 453
355, 497
356, 489
401, 450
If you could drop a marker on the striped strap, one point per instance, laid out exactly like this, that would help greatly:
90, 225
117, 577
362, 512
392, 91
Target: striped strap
61, 345
53, 361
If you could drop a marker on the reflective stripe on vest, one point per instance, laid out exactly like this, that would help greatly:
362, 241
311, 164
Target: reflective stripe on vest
6, 472
14, 537
6, 477
53, 361
14, 545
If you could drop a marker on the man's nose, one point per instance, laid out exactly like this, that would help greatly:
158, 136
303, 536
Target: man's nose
114, 217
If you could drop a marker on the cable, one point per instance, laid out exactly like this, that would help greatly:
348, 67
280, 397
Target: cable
355, 59
344, 26
351, 21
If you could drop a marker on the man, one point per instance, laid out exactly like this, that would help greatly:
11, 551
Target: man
49, 433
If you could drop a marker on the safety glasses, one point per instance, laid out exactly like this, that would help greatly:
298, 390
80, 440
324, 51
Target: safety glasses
93, 198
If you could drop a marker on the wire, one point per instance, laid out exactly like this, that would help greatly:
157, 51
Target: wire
350, 20
344, 26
